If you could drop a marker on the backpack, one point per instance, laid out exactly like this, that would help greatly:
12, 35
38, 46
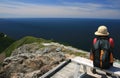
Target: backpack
101, 53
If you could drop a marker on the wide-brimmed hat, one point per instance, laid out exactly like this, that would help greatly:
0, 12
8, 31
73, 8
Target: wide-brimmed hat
102, 31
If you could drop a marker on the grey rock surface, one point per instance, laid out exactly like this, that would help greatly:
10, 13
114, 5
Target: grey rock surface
30, 61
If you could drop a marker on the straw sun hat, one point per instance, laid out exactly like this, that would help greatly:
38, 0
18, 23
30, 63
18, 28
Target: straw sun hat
102, 31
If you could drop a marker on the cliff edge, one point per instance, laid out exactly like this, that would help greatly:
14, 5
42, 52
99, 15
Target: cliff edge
30, 57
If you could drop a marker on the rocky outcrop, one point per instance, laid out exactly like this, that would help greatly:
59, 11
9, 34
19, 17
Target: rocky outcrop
35, 59
31, 61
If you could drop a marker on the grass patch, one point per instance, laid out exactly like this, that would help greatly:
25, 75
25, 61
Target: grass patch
25, 40
5, 42
75, 53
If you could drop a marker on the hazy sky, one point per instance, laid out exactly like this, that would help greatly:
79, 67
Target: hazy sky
60, 9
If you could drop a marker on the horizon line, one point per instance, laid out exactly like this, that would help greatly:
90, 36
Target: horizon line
57, 18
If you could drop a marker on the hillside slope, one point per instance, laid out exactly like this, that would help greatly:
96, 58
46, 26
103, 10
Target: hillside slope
5, 41
22, 41
30, 57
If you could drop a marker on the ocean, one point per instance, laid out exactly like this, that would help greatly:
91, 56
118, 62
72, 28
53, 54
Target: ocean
77, 32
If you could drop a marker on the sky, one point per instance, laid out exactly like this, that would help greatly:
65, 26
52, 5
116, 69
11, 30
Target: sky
108, 9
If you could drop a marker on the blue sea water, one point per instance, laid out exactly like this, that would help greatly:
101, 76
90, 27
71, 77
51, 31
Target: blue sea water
73, 31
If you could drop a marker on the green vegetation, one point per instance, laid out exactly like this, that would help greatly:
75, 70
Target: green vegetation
25, 40
5, 42
82, 54
8, 45
79, 54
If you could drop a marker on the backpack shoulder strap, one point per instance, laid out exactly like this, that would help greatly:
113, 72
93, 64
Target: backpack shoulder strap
94, 40
96, 44
111, 41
